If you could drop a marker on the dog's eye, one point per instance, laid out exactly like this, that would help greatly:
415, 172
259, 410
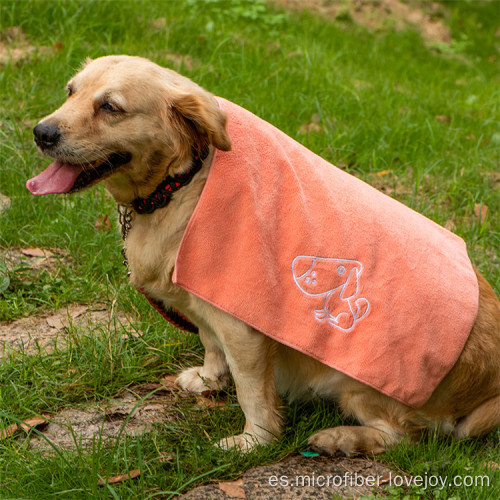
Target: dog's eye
69, 90
109, 107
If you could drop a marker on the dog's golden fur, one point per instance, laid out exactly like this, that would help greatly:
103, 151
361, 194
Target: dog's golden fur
161, 115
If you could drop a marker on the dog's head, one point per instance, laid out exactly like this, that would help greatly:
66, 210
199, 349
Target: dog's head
129, 121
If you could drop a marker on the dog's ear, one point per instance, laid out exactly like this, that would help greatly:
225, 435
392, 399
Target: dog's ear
202, 118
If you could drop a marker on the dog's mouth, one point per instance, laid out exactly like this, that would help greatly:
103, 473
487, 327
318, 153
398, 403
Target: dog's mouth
60, 177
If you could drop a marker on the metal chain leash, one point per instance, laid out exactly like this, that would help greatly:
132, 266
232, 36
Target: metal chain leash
125, 219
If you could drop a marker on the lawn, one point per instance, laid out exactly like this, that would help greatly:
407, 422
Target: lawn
415, 117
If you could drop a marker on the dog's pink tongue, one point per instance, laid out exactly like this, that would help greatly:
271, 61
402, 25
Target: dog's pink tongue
58, 177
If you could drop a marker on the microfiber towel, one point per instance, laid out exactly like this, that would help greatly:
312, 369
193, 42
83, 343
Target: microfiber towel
322, 262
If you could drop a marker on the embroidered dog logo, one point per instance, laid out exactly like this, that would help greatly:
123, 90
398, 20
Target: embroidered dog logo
338, 281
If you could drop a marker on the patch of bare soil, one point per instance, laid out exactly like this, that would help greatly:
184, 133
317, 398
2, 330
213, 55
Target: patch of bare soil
426, 17
4, 202
15, 46
36, 259
299, 477
390, 184
132, 413
46, 331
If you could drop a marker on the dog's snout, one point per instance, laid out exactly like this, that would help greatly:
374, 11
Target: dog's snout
47, 135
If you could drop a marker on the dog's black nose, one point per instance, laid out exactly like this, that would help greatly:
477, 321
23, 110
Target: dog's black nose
47, 135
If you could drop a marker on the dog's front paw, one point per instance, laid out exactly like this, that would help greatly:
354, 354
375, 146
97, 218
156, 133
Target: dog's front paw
196, 380
331, 442
351, 440
244, 442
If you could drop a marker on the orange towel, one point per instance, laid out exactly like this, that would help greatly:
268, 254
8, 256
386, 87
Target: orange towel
324, 263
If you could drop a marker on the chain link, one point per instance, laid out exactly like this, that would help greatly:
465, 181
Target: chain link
125, 219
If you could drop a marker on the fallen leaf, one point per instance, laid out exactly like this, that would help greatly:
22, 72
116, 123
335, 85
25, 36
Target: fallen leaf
450, 225
480, 211
131, 334
209, 393
233, 489
8, 431
210, 403
103, 223
151, 386
169, 382
310, 127
167, 457
119, 479
491, 465
385, 479
25, 426
444, 118
382, 173
36, 252
36, 422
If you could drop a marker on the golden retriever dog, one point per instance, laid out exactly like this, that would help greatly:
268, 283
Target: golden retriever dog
132, 123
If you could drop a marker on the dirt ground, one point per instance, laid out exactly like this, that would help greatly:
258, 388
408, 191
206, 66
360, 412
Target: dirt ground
426, 17
299, 477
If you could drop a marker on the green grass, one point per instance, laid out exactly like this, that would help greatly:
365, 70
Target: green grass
378, 98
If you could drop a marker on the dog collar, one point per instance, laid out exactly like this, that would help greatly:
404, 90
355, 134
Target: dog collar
160, 198
162, 195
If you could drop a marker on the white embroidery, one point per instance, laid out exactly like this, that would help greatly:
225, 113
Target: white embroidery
338, 281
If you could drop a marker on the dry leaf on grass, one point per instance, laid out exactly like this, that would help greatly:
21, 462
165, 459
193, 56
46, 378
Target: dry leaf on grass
210, 393
444, 119
8, 431
34, 422
167, 457
169, 382
480, 211
25, 426
120, 478
490, 465
382, 173
233, 489
210, 403
36, 252
103, 223
131, 334
310, 127
151, 386
450, 225
385, 478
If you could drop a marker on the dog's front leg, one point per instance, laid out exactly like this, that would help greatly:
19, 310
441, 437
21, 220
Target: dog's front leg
213, 375
250, 356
